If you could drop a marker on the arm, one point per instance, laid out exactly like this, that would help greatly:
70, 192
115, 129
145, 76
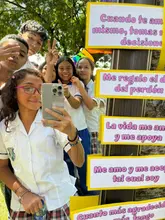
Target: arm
75, 102
30, 201
9, 178
76, 152
89, 102
49, 73
51, 59
65, 125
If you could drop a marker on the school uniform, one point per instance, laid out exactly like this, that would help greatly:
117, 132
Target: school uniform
79, 121
103, 109
28, 65
93, 119
37, 160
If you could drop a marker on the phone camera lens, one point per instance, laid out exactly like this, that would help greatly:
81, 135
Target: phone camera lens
54, 90
59, 93
60, 87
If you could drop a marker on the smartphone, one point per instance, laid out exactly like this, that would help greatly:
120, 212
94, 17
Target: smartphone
52, 95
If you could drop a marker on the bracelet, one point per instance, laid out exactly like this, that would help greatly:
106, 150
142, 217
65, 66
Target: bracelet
74, 144
21, 196
68, 96
75, 137
15, 191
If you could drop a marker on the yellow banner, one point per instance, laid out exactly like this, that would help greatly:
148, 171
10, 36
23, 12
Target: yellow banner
82, 202
161, 64
149, 209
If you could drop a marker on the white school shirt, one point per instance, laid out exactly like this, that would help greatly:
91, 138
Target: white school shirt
77, 114
37, 159
35, 59
28, 65
103, 109
92, 116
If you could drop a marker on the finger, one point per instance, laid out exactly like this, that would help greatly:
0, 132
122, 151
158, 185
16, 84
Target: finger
55, 113
65, 86
62, 110
11, 54
54, 44
55, 52
49, 47
57, 124
49, 123
28, 211
59, 81
36, 208
8, 45
32, 210
73, 78
11, 49
41, 203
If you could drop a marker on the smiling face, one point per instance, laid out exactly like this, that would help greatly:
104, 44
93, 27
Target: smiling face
15, 62
65, 71
34, 41
84, 70
29, 102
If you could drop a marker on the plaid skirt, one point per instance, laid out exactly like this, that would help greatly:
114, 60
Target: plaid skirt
95, 143
58, 214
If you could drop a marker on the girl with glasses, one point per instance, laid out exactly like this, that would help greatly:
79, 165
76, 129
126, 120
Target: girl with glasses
41, 177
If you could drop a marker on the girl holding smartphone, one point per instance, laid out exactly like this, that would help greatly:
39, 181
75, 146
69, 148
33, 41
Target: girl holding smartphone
36, 151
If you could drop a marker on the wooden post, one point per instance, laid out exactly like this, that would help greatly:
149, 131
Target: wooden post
128, 60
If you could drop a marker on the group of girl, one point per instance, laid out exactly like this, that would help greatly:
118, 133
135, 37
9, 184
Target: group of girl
81, 104
36, 147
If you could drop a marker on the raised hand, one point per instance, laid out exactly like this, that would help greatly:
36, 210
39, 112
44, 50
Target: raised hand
76, 81
66, 89
9, 50
52, 54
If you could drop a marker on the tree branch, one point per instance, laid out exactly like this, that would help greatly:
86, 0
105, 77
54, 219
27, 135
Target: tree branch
40, 16
16, 4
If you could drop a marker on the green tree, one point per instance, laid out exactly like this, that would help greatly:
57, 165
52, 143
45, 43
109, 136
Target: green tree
63, 19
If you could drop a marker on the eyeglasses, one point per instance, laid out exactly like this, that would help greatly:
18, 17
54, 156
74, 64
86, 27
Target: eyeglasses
29, 90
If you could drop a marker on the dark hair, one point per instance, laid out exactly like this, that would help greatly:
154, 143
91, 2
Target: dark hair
91, 63
89, 60
41, 66
35, 27
14, 37
60, 60
9, 101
